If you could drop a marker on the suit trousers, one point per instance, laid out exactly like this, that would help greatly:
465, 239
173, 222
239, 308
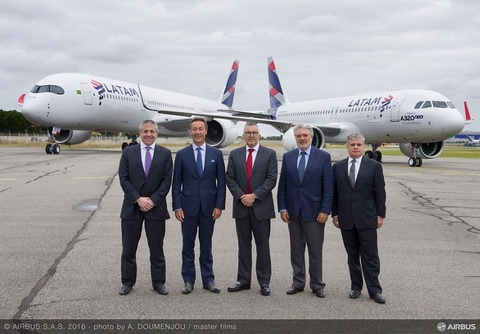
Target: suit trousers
131, 233
311, 234
361, 244
261, 232
205, 225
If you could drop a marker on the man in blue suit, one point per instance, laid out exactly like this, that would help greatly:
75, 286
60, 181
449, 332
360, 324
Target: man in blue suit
305, 193
198, 194
359, 210
145, 174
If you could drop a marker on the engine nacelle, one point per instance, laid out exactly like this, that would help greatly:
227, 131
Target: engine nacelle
70, 137
289, 142
221, 133
426, 150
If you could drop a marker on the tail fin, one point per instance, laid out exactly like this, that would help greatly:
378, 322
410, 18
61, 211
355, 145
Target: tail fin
468, 118
229, 91
277, 98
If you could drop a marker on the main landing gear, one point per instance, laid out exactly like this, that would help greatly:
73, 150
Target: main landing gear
374, 154
132, 142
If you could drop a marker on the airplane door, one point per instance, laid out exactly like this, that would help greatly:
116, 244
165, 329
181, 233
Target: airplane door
397, 103
87, 94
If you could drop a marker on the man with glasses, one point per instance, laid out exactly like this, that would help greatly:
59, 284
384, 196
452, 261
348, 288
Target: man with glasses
251, 177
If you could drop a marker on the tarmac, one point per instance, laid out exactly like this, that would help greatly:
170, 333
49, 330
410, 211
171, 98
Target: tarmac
60, 246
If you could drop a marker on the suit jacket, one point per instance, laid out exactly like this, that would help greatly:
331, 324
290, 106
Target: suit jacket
190, 189
264, 179
311, 196
359, 206
136, 184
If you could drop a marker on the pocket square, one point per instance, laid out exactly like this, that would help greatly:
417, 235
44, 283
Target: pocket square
213, 160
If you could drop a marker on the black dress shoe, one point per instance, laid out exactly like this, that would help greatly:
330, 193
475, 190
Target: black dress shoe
265, 290
212, 287
320, 293
354, 294
293, 290
187, 288
161, 289
378, 298
238, 286
125, 290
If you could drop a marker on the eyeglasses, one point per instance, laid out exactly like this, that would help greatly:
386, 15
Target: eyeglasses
250, 134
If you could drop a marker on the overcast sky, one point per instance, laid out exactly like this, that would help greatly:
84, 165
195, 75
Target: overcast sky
322, 49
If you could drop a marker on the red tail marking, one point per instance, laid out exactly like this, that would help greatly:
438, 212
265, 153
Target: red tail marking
467, 113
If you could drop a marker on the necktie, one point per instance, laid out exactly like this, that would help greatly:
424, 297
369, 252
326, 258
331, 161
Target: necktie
301, 166
249, 169
148, 159
351, 175
199, 160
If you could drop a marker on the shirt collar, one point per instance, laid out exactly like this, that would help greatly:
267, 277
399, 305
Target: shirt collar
308, 150
255, 148
203, 146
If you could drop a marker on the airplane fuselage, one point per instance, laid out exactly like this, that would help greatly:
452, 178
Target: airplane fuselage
392, 116
88, 102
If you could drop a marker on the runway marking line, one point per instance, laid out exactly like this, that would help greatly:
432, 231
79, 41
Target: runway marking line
8, 179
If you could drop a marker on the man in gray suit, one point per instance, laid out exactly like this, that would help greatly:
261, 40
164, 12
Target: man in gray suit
305, 192
251, 176
145, 174
359, 210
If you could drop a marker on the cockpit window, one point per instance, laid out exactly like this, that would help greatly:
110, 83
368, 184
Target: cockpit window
418, 105
450, 104
439, 104
48, 89
427, 104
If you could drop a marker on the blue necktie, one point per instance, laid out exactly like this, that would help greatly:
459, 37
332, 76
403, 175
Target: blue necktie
148, 159
199, 160
301, 166
351, 175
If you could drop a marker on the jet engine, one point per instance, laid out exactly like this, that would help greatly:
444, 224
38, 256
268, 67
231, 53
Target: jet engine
289, 142
221, 133
70, 137
423, 150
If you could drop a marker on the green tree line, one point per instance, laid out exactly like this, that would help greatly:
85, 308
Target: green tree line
13, 121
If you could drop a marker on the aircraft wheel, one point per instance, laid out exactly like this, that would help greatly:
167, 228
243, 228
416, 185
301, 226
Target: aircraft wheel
419, 162
369, 154
124, 145
412, 162
378, 156
49, 149
56, 149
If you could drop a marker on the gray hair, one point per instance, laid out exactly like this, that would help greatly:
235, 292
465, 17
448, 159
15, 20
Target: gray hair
303, 126
147, 121
250, 124
356, 136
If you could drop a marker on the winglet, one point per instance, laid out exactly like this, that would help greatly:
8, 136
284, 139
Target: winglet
21, 99
275, 92
229, 91
468, 118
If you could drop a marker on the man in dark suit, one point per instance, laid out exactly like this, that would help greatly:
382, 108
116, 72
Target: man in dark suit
145, 174
251, 176
198, 193
305, 193
358, 210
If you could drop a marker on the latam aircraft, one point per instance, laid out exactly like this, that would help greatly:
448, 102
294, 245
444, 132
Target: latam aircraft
72, 105
419, 120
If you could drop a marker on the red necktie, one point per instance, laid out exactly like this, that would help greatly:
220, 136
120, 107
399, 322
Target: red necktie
249, 169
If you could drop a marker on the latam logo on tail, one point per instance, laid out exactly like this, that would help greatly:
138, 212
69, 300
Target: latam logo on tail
103, 88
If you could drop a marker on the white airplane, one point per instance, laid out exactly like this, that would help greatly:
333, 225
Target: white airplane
72, 105
419, 120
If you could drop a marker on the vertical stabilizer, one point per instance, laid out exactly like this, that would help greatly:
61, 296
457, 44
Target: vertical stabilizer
275, 92
229, 92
